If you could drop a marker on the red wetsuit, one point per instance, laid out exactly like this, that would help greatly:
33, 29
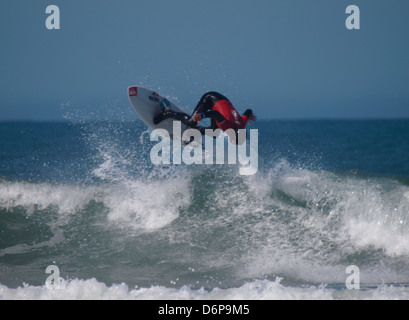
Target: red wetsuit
232, 119
220, 110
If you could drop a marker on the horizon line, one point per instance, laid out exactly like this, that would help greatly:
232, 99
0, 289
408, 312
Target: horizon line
258, 120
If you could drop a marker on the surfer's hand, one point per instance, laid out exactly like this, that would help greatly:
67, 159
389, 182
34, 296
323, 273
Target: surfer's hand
253, 117
197, 117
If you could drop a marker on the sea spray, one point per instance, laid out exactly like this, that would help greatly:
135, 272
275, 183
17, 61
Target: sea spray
86, 198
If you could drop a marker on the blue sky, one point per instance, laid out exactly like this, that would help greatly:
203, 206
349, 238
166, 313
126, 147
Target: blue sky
285, 59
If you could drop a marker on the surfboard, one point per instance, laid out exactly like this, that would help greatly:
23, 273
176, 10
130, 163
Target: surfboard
146, 104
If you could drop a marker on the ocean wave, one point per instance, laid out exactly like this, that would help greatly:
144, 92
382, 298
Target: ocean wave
303, 225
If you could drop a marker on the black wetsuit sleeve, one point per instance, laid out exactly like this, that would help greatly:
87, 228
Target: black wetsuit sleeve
207, 101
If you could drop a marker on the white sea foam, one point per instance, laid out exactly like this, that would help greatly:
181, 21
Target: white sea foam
140, 204
147, 206
40, 196
92, 289
323, 218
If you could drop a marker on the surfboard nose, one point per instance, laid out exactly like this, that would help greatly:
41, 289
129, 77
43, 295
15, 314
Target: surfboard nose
133, 91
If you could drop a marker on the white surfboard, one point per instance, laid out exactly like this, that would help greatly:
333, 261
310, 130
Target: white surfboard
146, 104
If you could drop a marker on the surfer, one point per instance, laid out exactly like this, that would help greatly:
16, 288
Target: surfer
212, 105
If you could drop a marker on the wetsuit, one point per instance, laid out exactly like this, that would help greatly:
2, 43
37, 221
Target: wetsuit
215, 106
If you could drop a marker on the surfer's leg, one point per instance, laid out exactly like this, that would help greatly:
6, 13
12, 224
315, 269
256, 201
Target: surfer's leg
207, 101
203, 105
179, 116
184, 118
167, 113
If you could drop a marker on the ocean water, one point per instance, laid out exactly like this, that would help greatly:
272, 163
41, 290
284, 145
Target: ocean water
84, 197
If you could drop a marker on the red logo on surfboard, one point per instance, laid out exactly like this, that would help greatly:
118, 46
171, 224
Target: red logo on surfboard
133, 91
